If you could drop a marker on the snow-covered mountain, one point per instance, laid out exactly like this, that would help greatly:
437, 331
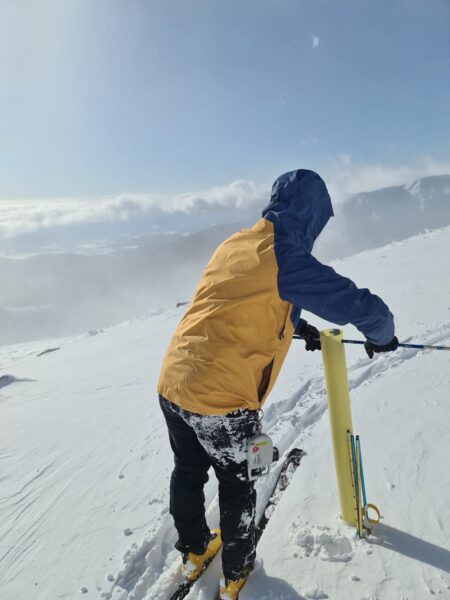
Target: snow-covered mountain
85, 459
373, 219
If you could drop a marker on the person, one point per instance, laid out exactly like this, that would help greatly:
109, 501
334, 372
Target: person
227, 352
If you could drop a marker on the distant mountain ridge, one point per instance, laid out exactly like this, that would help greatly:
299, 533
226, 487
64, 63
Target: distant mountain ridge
372, 219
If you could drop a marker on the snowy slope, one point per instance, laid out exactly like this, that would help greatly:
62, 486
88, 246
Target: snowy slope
85, 460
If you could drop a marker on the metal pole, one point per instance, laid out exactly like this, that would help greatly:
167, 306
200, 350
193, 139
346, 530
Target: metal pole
416, 346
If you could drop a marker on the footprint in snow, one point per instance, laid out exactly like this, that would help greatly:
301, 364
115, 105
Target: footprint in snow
321, 541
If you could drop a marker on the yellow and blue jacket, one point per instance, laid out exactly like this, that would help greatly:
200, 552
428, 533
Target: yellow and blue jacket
228, 349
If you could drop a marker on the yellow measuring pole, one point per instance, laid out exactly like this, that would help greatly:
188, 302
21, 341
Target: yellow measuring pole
336, 383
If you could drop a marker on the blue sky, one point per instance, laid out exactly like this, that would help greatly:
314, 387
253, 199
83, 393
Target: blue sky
152, 96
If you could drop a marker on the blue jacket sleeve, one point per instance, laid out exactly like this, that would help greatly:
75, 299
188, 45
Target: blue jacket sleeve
299, 326
307, 283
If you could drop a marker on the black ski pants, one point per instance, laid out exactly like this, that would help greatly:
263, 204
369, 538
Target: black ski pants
199, 442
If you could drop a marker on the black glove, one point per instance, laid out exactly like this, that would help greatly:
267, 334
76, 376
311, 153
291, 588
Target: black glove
311, 335
372, 348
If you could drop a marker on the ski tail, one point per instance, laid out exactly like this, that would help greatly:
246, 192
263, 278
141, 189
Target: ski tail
288, 467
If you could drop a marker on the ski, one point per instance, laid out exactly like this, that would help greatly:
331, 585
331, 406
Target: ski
288, 468
185, 587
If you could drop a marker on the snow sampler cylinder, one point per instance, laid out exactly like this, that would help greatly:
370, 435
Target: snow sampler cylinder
336, 383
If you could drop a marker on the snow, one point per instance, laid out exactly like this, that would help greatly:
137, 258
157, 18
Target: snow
85, 460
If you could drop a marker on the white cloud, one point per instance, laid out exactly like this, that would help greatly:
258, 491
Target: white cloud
315, 41
25, 216
239, 194
343, 176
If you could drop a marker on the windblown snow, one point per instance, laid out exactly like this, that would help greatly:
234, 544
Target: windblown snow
85, 460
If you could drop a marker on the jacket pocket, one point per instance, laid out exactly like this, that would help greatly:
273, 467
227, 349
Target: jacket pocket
265, 380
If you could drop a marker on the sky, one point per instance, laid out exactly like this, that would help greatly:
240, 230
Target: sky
113, 97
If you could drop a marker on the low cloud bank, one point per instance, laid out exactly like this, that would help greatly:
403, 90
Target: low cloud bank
240, 200
18, 217
61, 293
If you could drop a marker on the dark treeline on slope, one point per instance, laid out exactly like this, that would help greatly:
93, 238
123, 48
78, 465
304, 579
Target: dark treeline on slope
50, 295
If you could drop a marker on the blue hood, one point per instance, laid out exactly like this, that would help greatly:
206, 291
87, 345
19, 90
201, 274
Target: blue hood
299, 207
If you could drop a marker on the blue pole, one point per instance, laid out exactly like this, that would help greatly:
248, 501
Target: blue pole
363, 485
356, 484
416, 346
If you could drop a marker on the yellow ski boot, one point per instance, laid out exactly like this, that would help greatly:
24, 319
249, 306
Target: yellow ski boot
194, 564
229, 590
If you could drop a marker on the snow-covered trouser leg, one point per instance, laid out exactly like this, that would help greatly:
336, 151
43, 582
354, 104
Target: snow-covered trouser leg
187, 500
224, 439
237, 500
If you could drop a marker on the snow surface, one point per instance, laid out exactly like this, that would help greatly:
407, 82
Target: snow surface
85, 460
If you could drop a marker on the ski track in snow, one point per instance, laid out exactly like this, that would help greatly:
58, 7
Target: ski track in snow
152, 570
28, 502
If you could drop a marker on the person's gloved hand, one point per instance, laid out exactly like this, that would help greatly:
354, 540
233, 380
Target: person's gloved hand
372, 348
311, 335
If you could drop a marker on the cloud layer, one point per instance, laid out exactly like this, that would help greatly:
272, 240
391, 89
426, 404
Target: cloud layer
24, 216
235, 201
55, 289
